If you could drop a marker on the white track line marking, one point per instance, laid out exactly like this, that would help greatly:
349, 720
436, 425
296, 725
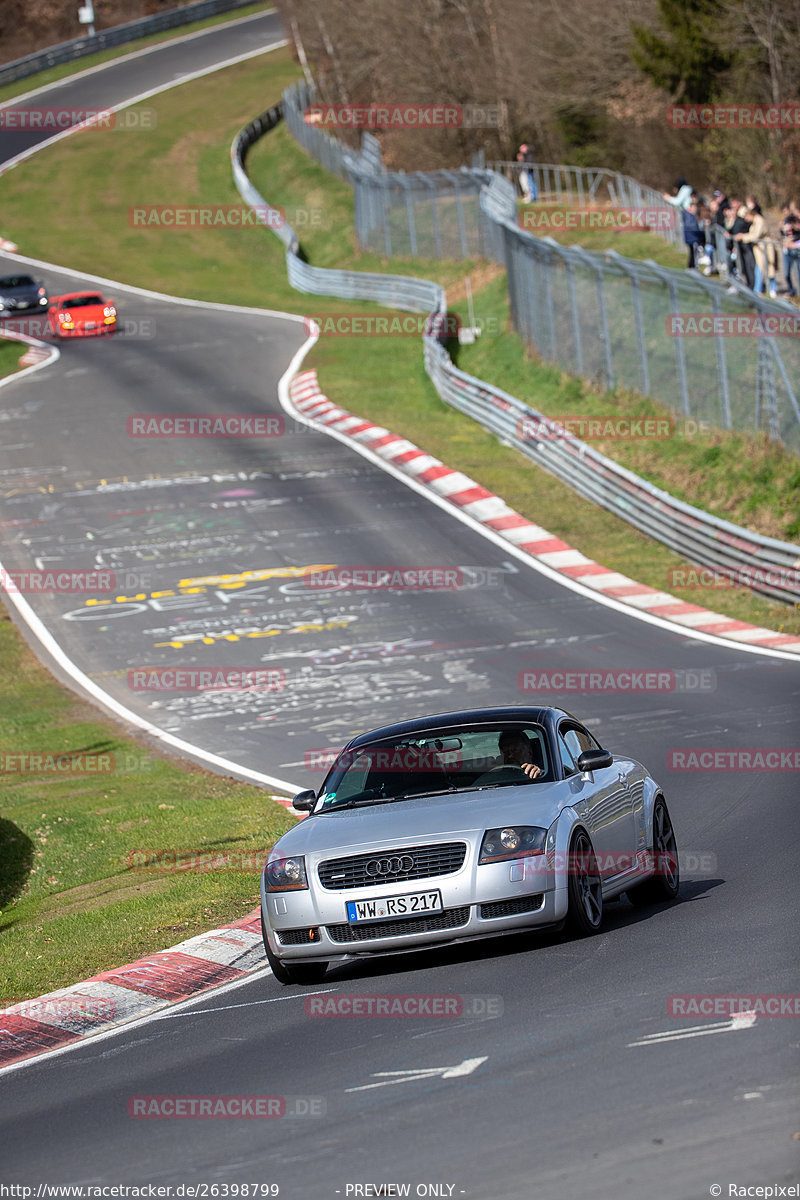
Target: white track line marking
389, 1078
739, 1021
691, 635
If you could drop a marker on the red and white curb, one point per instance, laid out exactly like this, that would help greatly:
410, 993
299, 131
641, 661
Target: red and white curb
493, 512
127, 993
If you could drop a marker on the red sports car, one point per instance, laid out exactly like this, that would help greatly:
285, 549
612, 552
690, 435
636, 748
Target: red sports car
81, 314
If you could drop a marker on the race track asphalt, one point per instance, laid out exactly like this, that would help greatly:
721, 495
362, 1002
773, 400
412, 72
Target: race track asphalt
564, 1103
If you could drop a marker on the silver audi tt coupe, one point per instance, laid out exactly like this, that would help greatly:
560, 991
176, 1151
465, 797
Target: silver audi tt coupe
460, 826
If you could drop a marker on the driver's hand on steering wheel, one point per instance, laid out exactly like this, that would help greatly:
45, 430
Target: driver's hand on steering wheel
530, 769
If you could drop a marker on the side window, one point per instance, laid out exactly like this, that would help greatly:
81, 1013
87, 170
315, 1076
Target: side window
585, 739
572, 741
567, 757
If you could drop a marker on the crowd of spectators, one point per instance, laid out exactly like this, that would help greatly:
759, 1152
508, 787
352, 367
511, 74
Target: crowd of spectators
731, 238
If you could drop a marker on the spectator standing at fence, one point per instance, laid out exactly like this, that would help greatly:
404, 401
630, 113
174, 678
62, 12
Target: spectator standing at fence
715, 235
704, 247
693, 233
525, 176
763, 248
735, 224
755, 230
790, 237
681, 194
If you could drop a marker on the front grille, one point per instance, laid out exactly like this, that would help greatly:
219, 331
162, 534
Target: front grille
342, 874
451, 918
510, 908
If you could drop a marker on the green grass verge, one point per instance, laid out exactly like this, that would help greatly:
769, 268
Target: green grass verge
548, 220
10, 354
72, 901
53, 74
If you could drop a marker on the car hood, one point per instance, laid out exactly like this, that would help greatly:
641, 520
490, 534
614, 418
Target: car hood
92, 311
409, 821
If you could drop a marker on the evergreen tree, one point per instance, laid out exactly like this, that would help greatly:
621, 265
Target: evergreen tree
684, 57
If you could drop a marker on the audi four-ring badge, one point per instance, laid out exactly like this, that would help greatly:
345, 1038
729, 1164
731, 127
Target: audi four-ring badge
459, 826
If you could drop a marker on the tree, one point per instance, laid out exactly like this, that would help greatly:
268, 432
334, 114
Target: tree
685, 59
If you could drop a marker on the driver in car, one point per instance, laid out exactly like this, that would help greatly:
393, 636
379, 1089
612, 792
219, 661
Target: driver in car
517, 751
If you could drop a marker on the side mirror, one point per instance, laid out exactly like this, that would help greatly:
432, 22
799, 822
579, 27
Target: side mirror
304, 801
594, 760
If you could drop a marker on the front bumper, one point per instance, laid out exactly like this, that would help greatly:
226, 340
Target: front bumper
481, 901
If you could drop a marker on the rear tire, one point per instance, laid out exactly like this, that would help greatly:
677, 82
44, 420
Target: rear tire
296, 972
663, 886
584, 888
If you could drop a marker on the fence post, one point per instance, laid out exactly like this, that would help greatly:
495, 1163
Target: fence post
641, 340
766, 399
575, 314
680, 353
722, 364
605, 337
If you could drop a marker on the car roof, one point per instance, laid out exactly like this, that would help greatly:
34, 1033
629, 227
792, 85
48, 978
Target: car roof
517, 714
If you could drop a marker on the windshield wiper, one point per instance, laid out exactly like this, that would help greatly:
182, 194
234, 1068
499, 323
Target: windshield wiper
363, 802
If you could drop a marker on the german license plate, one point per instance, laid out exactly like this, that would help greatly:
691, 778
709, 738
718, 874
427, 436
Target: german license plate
394, 906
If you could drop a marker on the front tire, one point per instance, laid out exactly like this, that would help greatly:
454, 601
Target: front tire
664, 884
584, 888
296, 972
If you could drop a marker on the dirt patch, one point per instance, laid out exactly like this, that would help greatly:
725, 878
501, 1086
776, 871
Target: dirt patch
479, 278
103, 892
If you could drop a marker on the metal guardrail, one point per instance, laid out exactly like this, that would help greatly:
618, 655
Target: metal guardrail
771, 565
118, 35
693, 534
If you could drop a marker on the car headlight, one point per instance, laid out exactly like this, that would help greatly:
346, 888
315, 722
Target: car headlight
512, 841
285, 874
109, 312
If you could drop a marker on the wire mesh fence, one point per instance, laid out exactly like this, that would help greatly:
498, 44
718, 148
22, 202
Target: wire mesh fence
718, 354
767, 565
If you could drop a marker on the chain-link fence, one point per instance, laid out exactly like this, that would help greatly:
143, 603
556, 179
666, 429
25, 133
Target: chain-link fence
721, 356
594, 188
768, 564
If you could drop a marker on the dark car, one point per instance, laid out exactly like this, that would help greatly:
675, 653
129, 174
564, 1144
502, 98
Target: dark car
21, 293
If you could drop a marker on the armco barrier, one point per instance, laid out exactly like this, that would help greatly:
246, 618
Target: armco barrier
118, 35
695, 535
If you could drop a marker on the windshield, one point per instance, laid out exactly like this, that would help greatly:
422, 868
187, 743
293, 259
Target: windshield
12, 281
81, 301
437, 763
